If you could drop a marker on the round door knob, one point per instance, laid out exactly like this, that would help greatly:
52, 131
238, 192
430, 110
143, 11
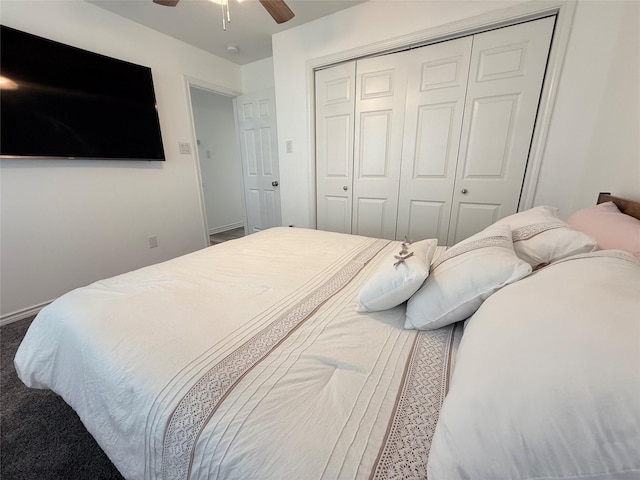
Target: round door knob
345, 188
274, 183
464, 191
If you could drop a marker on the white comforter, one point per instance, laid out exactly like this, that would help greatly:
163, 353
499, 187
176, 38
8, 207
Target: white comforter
124, 353
547, 380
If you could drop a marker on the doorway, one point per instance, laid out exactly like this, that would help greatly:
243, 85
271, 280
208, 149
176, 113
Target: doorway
219, 161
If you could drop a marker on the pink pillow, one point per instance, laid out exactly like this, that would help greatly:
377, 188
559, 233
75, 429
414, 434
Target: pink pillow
611, 228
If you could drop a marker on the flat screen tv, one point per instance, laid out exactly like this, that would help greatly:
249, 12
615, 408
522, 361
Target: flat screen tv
58, 101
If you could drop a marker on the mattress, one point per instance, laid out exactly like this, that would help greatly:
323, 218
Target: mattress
247, 360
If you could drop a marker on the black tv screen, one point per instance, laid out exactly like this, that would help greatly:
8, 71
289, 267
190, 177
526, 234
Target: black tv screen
58, 101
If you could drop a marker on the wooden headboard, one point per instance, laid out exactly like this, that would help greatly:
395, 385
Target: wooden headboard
629, 207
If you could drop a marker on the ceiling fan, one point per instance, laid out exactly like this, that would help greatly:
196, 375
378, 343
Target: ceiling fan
278, 9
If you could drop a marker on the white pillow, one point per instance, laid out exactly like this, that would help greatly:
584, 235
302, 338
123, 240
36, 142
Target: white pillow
546, 383
541, 237
393, 284
463, 277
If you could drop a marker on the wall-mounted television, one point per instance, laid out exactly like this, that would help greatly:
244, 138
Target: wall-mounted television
59, 101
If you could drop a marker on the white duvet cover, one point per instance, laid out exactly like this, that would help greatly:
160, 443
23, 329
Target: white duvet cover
547, 380
245, 360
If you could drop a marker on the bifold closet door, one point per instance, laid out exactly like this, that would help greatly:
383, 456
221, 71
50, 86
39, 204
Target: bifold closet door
503, 93
359, 129
381, 84
432, 142
433, 123
335, 92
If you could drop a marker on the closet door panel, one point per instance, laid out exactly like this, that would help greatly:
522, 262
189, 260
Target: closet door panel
338, 129
473, 217
337, 214
426, 219
505, 81
433, 142
379, 123
433, 123
491, 137
335, 90
370, 214
375, 130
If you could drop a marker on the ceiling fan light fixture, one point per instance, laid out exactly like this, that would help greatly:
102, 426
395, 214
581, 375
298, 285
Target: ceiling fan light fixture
226, 14
278, 9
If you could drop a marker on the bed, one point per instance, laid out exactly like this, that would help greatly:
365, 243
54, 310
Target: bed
303, 354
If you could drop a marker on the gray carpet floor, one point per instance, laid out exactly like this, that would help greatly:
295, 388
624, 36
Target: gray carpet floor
41, 437
216, 238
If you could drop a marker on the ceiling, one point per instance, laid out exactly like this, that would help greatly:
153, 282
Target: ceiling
199, 22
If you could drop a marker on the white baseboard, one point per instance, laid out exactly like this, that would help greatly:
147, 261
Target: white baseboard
21, 314
224, 228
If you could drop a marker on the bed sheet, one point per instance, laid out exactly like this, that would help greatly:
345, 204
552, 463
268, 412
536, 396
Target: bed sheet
321, 391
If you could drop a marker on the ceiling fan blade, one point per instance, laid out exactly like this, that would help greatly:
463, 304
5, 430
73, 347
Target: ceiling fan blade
166, 3
279, 10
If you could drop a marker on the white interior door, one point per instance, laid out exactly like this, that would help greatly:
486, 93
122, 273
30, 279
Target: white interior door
259, 151
381, 84
433, 123
335, 90
505, 80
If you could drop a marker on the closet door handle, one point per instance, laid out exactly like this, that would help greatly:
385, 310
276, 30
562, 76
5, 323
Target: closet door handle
464, 191
275, 184
345, 188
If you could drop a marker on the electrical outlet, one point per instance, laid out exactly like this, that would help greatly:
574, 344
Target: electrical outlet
185, 148
153, 241
289, 146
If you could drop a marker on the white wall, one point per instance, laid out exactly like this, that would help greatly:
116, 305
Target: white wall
594, 141
219, 159
67, 223
605, 106
257, 75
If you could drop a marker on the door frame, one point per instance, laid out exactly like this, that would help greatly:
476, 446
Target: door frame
564, 11
218, 90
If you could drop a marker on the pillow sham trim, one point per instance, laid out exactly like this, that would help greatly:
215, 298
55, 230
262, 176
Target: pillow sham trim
529, 231
499, 241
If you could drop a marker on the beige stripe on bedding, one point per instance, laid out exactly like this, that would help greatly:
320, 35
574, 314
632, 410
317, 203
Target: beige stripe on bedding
406, 446
202, 400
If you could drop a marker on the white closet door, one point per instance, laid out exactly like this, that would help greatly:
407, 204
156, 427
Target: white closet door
505, 80
259, 150
380, 92
335, 90
433, 122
